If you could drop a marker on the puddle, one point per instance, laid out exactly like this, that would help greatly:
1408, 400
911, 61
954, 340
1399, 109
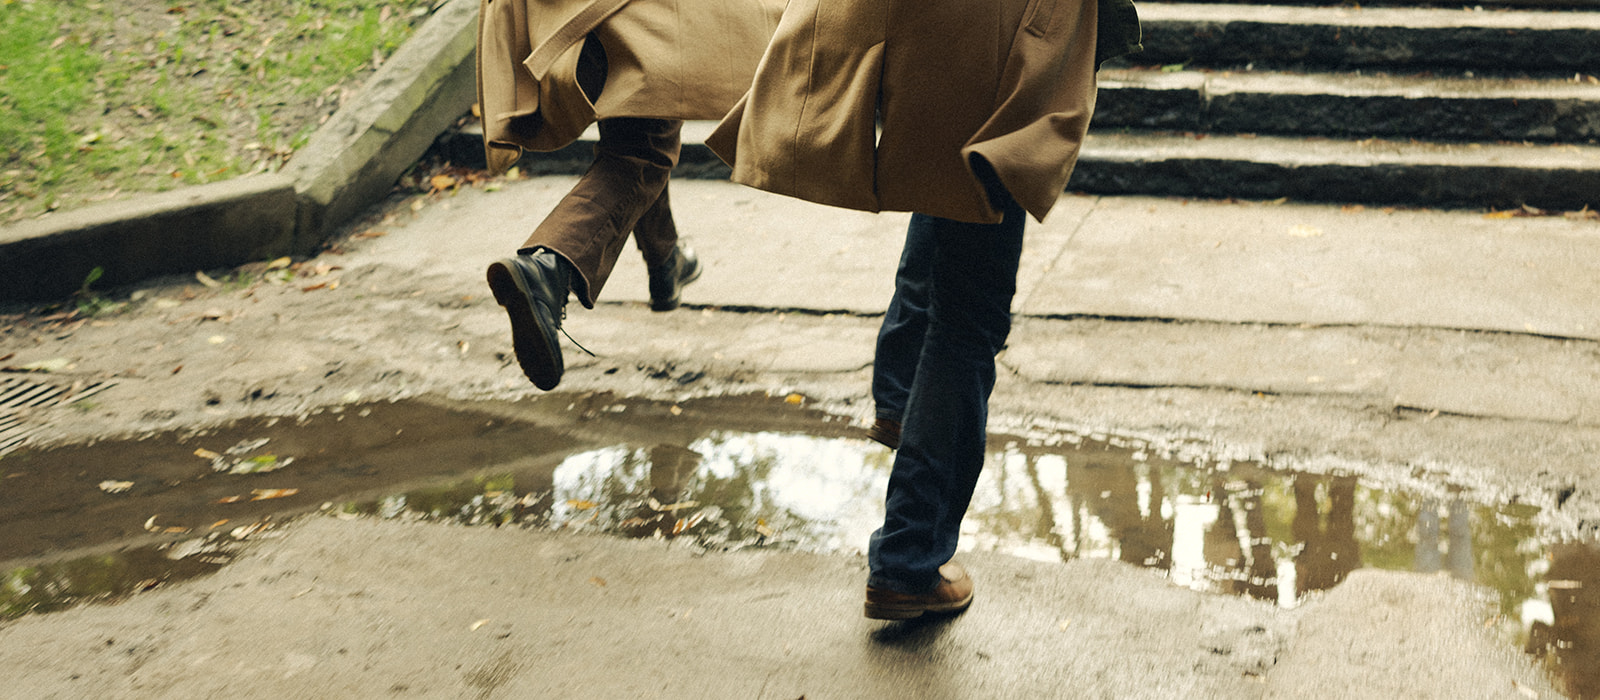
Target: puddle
756, 472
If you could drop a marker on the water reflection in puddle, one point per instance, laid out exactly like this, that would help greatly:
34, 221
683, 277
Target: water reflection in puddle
1224, 527
756, 472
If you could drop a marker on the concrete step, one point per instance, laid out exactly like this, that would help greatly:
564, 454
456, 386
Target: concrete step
1351, 38
1187, 164
1350, 105
1374, 171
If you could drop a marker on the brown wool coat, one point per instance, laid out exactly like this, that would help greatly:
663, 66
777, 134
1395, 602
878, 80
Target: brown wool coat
1011, 82
666, 59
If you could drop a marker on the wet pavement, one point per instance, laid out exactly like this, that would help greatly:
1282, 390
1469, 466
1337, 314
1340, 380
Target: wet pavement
113, 518
1228, 439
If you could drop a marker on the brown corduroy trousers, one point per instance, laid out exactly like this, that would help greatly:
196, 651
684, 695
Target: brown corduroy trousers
624, 190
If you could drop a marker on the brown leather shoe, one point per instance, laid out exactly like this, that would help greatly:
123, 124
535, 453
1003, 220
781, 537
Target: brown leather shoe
952, 595
886, 432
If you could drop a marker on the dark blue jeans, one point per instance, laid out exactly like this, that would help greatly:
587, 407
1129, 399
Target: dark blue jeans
934, 371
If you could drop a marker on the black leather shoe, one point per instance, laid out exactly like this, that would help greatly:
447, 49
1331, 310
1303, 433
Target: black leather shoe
668, 279
533, 289
886, 432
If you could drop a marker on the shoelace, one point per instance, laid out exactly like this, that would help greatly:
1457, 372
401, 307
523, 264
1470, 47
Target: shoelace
560, 325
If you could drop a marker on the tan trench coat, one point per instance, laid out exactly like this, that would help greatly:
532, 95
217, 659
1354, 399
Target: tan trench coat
1008, 81
666, 59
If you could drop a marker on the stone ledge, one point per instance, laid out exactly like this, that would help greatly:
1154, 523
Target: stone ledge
195, 228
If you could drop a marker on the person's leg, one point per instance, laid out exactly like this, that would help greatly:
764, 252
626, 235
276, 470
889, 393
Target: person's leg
974, 269
589, 227
577, 244
669, 263
905, 324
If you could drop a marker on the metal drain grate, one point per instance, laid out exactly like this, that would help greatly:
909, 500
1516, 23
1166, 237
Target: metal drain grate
17, 393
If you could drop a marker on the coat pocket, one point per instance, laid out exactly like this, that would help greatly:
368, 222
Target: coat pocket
1036, 19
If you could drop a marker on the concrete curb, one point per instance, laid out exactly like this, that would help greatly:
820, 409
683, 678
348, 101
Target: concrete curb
195, 228
351, 162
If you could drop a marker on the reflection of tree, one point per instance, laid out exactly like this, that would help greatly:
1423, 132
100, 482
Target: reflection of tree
1458, 529
664, 492
1251, 572
1574, 584
1328, 547
1046, 528
1111, 491
1505, 542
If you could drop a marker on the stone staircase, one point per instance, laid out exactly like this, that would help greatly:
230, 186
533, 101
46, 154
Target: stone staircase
1493, 107
1479, 107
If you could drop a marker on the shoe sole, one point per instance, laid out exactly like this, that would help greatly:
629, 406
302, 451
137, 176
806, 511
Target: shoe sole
528, 336
911, 612
675, 302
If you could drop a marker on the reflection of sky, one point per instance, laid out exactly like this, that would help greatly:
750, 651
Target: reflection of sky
826, 482
1191, 518
830, 484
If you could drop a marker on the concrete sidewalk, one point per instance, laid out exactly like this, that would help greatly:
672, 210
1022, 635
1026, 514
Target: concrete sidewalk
1290, 299
1290, 331
384, 609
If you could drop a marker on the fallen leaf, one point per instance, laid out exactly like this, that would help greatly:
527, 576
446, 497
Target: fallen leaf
244, 531
204, 453
206, 280
656, 506
371, 234
314, 287
260, 464
676, 411
248, 446
597, 581
441, 182
582, 505
115, 486
267, 494
794, 399
1507, 214
54, 364
230, 499
218, 524
478, 625
280, 263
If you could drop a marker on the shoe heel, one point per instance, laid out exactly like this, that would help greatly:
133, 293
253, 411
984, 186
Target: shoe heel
879, 612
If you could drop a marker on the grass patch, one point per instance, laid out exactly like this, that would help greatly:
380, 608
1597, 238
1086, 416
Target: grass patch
102, 100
